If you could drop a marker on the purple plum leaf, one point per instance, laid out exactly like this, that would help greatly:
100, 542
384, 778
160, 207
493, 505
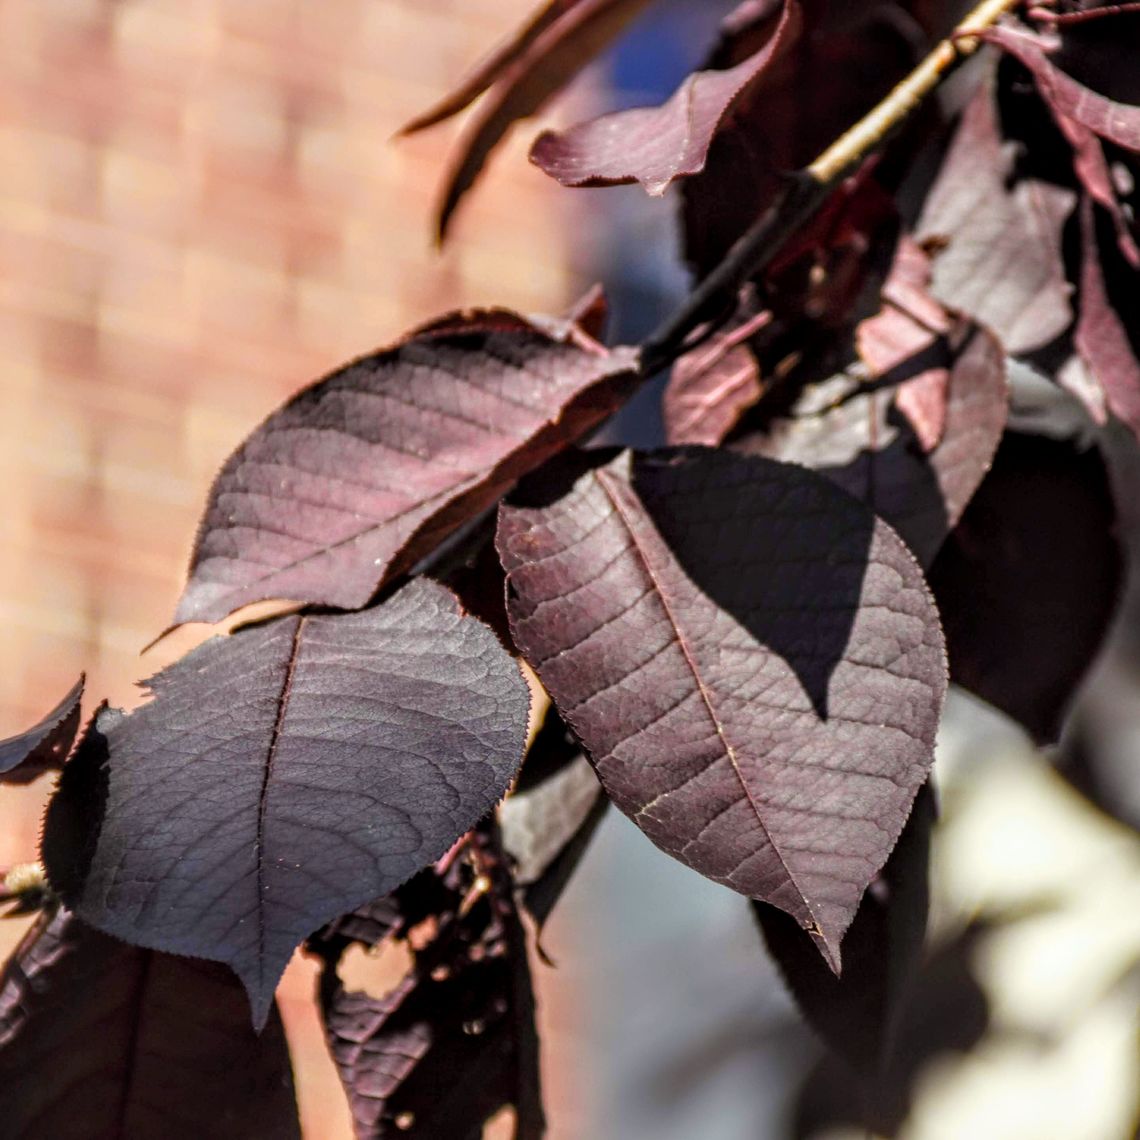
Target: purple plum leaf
751, 659
285, 775
99, 1038
360, 475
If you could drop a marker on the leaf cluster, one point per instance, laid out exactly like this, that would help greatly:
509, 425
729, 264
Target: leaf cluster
742, 640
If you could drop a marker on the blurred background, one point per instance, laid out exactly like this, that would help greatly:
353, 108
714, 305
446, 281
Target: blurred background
201, 210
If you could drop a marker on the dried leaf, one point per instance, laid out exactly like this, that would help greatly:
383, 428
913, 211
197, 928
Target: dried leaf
847, 427
102, 1039
284, 775
45, 745
751, 659
455, 1040
999, 238
1028, 582
856, 1014
539, 71
656, 145
360, 475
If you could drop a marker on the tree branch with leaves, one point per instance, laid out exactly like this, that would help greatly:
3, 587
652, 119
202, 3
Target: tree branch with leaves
742, 641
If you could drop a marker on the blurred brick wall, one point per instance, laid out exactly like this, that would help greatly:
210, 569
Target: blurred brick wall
201, 210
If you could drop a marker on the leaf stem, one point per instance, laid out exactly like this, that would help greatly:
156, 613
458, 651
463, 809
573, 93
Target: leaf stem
809, 188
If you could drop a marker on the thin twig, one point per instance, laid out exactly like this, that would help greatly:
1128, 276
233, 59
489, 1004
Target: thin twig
809, 188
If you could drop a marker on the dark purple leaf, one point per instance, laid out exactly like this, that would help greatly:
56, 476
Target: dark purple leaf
1100, 338
751, 659
538, 69
999, 237
284, 775
360, 475
856, 1014
849, 427
1028, 581
655, 145
712, 386
455, 1041
102, 1039
45, 745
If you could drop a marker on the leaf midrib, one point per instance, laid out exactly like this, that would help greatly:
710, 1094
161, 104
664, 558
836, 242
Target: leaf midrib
271, 755
604, 479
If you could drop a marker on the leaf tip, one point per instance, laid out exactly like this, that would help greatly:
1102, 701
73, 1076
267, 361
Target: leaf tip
261, 992
828, 946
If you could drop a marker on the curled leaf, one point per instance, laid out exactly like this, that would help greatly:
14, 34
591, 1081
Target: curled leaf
284, 775
751, 659
657, 145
